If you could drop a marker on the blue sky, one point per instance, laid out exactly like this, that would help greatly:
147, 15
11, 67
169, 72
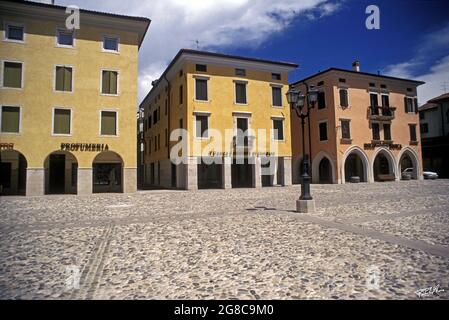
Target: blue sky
413, 40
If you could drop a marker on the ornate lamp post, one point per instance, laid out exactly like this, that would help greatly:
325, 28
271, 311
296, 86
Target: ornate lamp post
302, 104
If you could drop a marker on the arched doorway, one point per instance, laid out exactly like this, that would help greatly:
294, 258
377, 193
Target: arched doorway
325, 171
13, 172
383, 166
61, 173
107, 175
409, 160
355, 167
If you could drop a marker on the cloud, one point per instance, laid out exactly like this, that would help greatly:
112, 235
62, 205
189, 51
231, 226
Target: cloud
432, 56
215, 24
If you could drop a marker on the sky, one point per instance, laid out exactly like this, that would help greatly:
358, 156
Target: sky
412, 42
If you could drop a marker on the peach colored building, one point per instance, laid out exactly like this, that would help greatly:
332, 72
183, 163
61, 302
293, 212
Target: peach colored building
363, 125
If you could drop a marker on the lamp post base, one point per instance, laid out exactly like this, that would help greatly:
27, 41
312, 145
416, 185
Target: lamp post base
305, 206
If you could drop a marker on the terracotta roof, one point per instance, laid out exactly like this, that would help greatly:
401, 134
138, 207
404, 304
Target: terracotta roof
440, 98
427, 106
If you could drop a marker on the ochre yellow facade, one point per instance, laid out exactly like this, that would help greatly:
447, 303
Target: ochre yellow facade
40, 55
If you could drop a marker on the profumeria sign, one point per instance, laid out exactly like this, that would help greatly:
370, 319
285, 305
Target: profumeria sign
92, 147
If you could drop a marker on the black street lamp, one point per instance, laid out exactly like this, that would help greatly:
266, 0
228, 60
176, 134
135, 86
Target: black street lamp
302, 105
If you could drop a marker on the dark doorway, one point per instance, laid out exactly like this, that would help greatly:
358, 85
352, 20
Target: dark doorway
5, 175
381, 166
173, 175
13, 171
354, 168
107, 177
267, 179
242, 124
57, 174
325, 171
242, 173
210, 175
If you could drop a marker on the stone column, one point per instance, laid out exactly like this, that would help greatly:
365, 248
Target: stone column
35, 182
287, 170
129, 180
192, 174
85, 181
257, 177
227, 173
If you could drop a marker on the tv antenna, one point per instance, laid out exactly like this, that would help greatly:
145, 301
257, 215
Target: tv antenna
197, 44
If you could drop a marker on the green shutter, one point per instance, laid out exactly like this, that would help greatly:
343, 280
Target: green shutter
106, 81
108, 123
59, 79
113, 82
12, 75
10, 119
61, 121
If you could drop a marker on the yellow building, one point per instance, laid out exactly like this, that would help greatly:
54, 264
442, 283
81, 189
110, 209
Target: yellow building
229, 107
68, 100
364, 127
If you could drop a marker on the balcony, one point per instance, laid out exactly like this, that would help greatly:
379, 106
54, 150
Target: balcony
381, 113
243, 143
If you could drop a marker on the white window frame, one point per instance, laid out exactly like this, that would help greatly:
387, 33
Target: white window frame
22, 76
408, 97
327, 130
116, 122
110, 36
58, 30
280, 86
53, 122
16, 24
118, 83
242, 114
201, 77
73, 78
20, 119
347, 96
272, 128
235, 92
384, 94
203, 114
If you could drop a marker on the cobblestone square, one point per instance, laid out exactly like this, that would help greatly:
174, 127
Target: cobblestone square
366, 241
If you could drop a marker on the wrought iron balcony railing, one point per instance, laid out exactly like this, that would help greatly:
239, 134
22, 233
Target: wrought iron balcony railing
381, 113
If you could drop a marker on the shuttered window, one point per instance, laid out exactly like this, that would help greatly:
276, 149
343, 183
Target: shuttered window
344, 98
12, 74
240, 93
201, 126
14, 33
277, 96
323, 131
387, 132
321, 100
201, 89
10, 119
65, 38
345, 129
376, 131
278, 127
412, 128
61, 121
109, 82
64, 79
109, 123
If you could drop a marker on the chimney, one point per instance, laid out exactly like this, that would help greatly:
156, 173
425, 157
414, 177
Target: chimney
356, 66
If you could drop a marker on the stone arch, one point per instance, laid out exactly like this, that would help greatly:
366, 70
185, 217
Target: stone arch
316, 167
107, 172
379, 156
60, 173
13, 172
365, 171
414, 159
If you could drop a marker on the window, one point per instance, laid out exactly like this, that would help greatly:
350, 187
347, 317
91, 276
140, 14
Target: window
323, 131
10, 119
201, 68
61, 121
422, 115
240, 72
319, 84
276, 76
277, 96
383, 86
109, 123
412, 128
181, 124
201, 89
374, 102
109, 82
278, 129
376, 131
424, 128
155, 116
181, 73
342, 80
372, 84
65, 38
110, 44
158, 113
12, 74
166, 106
344, 98
345, 129
387, 131
14, 32
385, 101
63, 78
240, 92
411, 104
181, 95
321, 100
149, 122
201, 123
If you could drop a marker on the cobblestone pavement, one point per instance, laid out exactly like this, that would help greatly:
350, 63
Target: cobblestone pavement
229, 244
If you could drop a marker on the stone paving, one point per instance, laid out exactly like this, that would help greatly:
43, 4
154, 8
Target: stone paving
229, 244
